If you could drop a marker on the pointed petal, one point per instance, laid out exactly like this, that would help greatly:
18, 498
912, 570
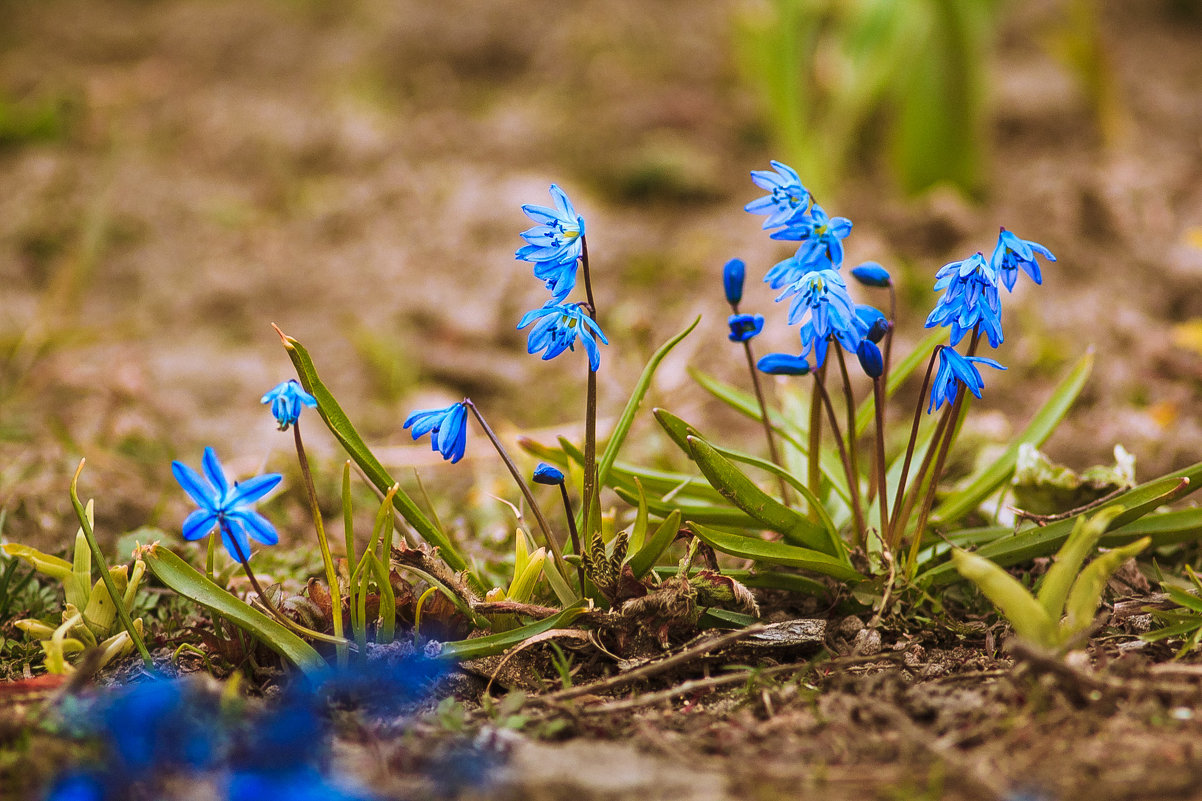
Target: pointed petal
195, 486
214, 472
252, 489
198, 524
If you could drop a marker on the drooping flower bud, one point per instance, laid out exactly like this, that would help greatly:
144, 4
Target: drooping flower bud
546, 474
783, 364
732, 280
870, 358
870, 273
745, 326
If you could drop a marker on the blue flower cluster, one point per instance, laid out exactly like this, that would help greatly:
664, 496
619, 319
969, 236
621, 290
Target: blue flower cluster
160, 732
556, 246
820, 303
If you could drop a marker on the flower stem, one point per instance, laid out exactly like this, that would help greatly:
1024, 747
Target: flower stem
244, 560
850, 400
322, 542
853, 487
590, 490
759, 396
953, 420
814, 444
882, 491
521, 482
894, 534
575, 535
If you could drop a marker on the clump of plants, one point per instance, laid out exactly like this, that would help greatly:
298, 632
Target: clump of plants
852, 500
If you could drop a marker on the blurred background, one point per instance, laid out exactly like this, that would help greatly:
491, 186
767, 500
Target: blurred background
175, 175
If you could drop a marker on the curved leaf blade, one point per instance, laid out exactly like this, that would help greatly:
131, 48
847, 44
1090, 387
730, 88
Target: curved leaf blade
777, 553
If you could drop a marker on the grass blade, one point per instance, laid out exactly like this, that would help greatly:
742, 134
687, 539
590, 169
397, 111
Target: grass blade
777, 553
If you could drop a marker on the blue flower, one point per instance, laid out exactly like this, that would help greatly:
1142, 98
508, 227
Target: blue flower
732, 281
824, 309
971, 299
447, 429
783, 364
546, 474
870, 273
555, 244
286, 400
870, 358
955, 370
80, 785
558, 329
786, 196
745, 326
821, 247
1011, 253
226, 506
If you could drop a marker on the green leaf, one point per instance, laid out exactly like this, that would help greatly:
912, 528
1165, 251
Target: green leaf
342, 429
499, 643
661, 482
638, 534
776, 553
626, 419
645, 557
1087, 590
1067, 566
726, 516
1026, 615
746, 404
763, 579
743, 493
181, 577
1036, 541
981, 485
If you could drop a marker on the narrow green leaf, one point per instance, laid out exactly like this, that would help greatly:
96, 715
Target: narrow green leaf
763, 579
1087, 590
638, 533
193, 585
777, 553
1185, 599
981, 485
559, 584
725, 516
644, 558
342, 429
655, 481
626, 419
1164, 529
1067, 566
1027, 616
499, 643
743, 493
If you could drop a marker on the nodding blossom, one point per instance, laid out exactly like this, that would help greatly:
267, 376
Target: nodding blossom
970, 299
955, 370
745, 326
560, 325
554, 245
447, 428
1011, 253
823, 308
786, 197
287, 399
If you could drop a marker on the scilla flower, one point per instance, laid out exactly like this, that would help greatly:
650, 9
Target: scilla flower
821, 237
955, 370
447, 429
970, 299
558, 328
555, 244
786, 196
823, 308
286, 401
1011, 253
226, 506
870, 358
745, 326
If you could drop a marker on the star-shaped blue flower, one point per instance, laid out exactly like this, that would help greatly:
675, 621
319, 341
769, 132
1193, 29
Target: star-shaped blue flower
786, 196
970, 299
824, 309
955, 370
821, 246
1012, 253
555, 244
447, 429
287, 399
558, 328
227, 506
